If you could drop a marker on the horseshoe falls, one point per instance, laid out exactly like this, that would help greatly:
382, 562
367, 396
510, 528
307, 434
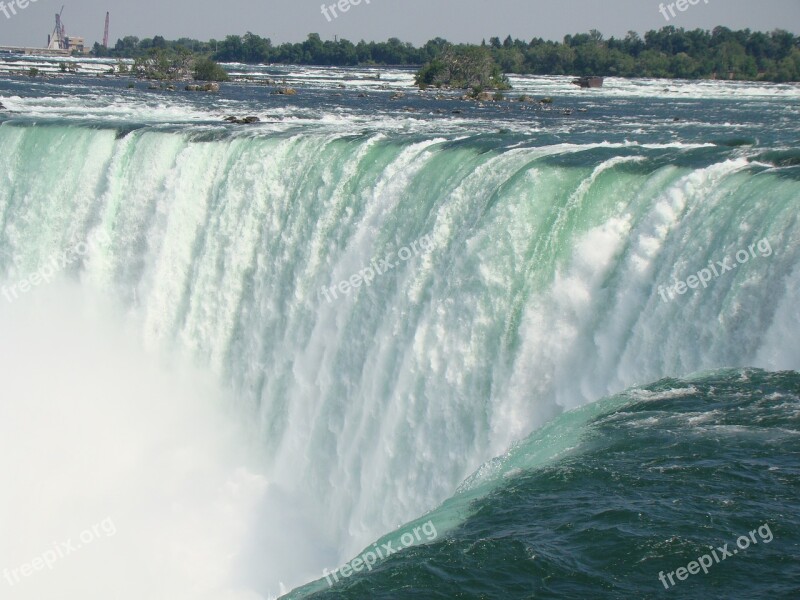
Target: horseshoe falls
563, 347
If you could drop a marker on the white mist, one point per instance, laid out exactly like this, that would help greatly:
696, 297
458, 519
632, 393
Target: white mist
96, 432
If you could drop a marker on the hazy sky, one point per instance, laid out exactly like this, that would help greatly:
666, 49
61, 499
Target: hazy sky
410, 20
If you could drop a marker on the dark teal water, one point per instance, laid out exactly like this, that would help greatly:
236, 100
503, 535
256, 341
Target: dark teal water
663, 473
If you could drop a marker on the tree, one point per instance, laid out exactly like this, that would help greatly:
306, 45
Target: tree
551, 59
434, 48
255, 49
783, 42
127, 44
463, 67
230, 49
653, 64
206, 69
683, 66
163, 65
511, 60
99, 51
591, 59
633, 44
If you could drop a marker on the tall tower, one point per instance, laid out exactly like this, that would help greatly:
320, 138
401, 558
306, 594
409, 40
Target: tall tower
105, 35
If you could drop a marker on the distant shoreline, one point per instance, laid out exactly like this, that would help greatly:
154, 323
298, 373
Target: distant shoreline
669, 53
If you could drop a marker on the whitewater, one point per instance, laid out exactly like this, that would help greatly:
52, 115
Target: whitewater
186, 377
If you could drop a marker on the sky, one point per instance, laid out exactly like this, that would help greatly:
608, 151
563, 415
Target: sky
413, 21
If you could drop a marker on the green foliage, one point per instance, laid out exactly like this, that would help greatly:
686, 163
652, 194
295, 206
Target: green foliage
668, 52
99, 51
163, 65
431, 73
33, 72
206, 69
463, 67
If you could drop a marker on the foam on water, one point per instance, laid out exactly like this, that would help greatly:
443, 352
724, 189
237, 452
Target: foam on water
539, 294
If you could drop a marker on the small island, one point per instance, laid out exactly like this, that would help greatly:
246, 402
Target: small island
466, 68
174, 65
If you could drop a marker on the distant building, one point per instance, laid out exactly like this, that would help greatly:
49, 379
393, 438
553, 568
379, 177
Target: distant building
59, 40
75, 43
69, 43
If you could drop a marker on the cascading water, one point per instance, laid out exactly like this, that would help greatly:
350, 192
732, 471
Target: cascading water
539, 292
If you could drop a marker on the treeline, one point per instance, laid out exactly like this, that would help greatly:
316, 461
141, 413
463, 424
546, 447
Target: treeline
669, 52
253, 49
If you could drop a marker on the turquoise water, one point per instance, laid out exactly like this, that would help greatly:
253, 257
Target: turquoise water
657, 477
542, 266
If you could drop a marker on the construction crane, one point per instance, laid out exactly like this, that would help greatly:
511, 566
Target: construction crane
56, 40
105, 35
62, 32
